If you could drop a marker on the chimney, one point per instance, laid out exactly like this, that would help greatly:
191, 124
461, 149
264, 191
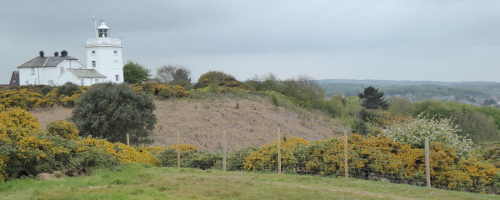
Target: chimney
56, 54
64, 53
41, 54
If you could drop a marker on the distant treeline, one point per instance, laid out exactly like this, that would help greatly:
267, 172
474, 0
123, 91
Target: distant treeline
416, 91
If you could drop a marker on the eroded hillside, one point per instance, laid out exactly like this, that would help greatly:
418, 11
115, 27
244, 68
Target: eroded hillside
202, 122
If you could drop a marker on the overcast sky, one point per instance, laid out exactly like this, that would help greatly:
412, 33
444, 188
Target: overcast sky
432, 40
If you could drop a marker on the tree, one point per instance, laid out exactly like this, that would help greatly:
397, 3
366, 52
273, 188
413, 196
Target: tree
135, 73
113, 110
475, 125
174, 75
414, 130
267, 82
305, 90
373, 99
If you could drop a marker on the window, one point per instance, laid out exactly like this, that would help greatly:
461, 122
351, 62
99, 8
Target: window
62, 70
96, 80
32, 71
93, 63
117, 77
116, 52
82, 82
103, 33
93, 52
51, 82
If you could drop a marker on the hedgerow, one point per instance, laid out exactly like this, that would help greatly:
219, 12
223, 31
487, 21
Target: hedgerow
373, 157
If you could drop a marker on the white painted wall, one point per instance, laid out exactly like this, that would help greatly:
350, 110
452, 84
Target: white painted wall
43, 75
69, 77
107, 54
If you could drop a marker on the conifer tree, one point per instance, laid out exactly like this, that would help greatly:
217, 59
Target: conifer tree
373, 99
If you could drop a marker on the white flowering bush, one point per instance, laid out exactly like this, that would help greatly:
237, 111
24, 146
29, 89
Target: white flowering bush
414, 130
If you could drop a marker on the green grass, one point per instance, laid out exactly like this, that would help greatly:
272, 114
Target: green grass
134, 181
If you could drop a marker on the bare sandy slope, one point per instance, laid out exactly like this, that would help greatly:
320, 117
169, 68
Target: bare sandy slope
202, 122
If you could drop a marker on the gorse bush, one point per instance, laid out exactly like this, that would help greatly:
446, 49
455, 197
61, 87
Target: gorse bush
63, 128
19, 97
373, 157
120, 151
36, 96
265, 158
27, 151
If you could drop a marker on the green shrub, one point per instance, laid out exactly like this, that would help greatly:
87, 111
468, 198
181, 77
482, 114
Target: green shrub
218, 78
202, 160
236, 160
68, 89
112, 111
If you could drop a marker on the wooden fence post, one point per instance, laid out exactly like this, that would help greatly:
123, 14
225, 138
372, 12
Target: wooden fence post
178, 149
224, 151
279, 151
346, 166
427, 163
128, 140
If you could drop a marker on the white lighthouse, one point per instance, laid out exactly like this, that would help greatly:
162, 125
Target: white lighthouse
104, 54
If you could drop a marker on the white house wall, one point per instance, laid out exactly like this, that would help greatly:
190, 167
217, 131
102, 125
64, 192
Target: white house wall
70, 77
25, 76
47, 75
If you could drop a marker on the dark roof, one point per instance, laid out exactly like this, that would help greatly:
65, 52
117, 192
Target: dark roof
45, 61
86, 73
14, 79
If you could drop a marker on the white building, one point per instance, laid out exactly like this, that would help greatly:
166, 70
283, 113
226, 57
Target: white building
104, 54
104, 64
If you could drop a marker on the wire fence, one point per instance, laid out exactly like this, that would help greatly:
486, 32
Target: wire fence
348, 156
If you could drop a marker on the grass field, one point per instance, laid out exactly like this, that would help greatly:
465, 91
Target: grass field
135, 181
